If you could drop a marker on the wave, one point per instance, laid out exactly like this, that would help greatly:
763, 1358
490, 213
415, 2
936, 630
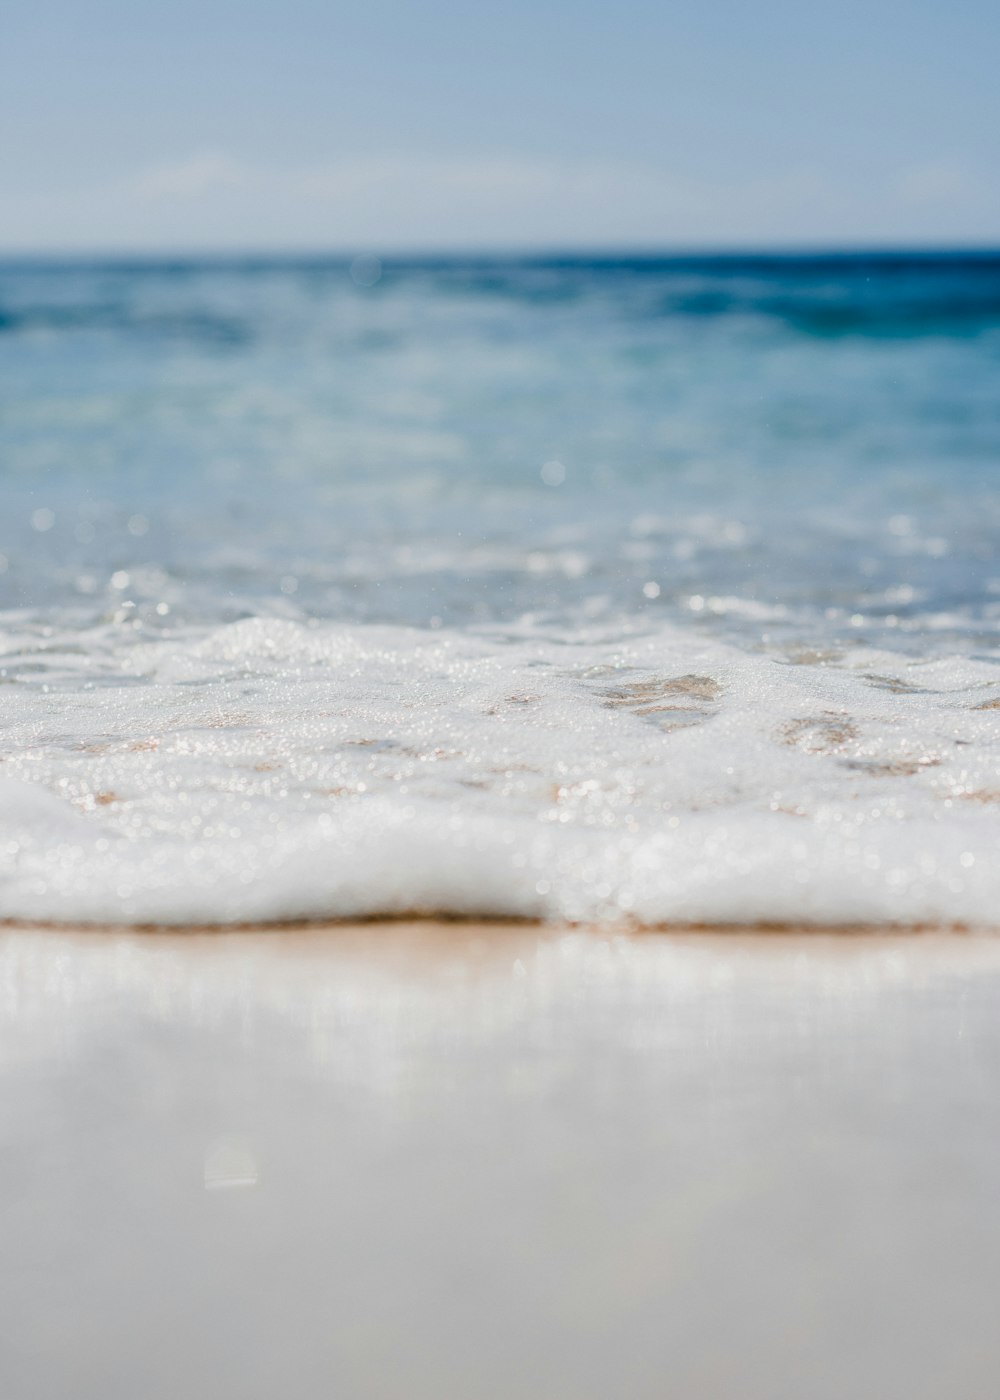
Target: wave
233, 302
270, 770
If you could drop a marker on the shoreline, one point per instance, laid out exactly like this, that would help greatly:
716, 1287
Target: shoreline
502, 924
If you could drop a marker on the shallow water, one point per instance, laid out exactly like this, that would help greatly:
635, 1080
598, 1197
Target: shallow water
617, 589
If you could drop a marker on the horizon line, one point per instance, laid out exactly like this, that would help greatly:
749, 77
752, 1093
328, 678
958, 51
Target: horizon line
505, 252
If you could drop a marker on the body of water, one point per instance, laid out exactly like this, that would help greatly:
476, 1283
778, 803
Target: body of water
615, 588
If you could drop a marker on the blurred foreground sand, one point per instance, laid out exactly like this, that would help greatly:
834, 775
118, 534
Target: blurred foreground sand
453, 1160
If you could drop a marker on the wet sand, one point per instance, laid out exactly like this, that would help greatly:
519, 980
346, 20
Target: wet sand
416, 1159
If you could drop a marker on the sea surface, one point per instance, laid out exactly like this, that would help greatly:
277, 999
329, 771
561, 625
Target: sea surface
620, 589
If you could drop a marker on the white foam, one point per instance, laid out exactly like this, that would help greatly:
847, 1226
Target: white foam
270, 770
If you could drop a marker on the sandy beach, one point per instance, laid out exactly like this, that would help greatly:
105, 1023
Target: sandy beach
499, 702
429, 1160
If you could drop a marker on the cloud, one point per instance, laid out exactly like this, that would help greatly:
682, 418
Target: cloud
938, 182
191, 179
379, 183
413, 200
416, 200
215, 200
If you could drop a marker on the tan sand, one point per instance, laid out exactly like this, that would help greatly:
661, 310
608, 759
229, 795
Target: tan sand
425, 1160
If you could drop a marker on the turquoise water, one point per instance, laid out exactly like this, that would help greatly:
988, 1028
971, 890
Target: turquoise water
815, 435
434, 479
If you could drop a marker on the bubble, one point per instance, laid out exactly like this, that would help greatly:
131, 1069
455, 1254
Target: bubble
651, 589
553, 473
137, 525
230, 1163
366, 270
42, 519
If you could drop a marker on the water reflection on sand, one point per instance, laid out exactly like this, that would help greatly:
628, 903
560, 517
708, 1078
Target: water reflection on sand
427, 1161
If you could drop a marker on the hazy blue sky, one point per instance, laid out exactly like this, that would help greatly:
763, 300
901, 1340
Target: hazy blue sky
131, 124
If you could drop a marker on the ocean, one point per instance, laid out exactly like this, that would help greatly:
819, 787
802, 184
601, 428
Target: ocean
614, 589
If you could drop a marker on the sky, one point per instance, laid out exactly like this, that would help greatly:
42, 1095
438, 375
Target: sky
253, 125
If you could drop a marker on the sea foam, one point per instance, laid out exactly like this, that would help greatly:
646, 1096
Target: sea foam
274, 770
